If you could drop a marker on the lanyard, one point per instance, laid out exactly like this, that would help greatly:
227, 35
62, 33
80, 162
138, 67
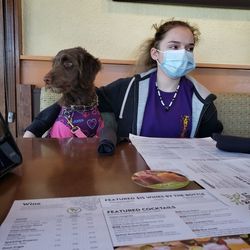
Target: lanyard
75, 130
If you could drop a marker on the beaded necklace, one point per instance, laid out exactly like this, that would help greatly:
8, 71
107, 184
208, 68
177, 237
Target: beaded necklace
167, 108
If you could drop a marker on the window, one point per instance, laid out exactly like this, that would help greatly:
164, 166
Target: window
235, 4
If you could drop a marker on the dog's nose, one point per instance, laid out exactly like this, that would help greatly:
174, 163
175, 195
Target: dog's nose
47, 80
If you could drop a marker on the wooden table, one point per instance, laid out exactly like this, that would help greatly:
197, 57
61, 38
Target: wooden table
70, 167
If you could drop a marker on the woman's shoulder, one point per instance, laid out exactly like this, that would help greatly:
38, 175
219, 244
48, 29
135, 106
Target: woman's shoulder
121, 82
147, 74
200, 90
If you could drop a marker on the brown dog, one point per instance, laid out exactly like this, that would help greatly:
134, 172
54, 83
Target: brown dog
73, 73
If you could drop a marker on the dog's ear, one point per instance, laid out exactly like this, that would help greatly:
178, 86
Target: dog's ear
89, 66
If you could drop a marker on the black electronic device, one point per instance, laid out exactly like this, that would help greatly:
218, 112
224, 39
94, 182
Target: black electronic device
10, 156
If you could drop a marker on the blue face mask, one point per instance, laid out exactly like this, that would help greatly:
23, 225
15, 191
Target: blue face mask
177, 63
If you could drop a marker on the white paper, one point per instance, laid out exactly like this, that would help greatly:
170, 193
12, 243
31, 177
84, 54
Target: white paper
167, 216
66, 223
103, 222
178, 150
223, 174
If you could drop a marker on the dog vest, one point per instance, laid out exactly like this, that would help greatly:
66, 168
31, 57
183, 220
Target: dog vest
77, 121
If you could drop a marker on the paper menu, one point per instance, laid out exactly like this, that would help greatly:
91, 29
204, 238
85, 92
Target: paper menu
105, 222
168, 216
226, 175
67, 223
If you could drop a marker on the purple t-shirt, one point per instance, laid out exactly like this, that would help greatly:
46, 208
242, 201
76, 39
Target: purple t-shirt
175, 123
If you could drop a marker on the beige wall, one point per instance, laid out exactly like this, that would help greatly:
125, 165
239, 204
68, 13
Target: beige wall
113, 30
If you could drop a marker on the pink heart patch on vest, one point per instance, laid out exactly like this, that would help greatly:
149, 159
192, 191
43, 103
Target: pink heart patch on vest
91, 123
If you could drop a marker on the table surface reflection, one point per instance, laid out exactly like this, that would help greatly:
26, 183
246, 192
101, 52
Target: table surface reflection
70, 167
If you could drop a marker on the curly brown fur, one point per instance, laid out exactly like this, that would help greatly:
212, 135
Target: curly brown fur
73, 73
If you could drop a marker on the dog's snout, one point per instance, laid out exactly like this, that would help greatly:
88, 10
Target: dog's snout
47, 79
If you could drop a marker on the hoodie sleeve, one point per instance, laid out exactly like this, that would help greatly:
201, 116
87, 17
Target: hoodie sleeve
44, 120
111, 96
209, 123
108, 138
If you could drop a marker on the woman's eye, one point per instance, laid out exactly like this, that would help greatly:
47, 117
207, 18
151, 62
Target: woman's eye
67, 64
191, 49
174, 47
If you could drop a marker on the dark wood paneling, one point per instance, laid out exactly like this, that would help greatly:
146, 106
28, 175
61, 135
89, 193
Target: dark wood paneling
24, 107
10, 62
217, 78
9, 57
223, 80
2, 63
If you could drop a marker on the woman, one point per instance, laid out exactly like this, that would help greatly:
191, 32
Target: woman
161, 102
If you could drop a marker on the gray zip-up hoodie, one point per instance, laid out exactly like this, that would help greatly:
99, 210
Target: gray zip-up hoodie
127, 99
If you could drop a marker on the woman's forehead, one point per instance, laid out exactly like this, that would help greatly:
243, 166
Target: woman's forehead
179, 34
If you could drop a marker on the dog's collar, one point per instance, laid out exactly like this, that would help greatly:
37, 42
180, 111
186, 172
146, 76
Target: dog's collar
78, 108
67, 110
82, 108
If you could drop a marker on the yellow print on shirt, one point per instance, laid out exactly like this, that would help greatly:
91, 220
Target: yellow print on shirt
185, 122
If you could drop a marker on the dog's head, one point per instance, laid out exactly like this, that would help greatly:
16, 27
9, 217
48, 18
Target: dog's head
73, 71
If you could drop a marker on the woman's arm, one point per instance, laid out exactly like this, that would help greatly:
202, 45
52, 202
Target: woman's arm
43, 121
209, 123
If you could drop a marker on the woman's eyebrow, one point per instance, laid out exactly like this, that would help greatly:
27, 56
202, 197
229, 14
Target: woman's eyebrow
191, 44
177, 42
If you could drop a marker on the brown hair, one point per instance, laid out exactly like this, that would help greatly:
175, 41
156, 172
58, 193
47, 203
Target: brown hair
144, 61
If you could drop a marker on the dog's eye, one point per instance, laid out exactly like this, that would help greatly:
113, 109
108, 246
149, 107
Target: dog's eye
67, 64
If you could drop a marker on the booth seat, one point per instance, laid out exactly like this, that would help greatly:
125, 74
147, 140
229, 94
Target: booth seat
233, 110
234, 113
